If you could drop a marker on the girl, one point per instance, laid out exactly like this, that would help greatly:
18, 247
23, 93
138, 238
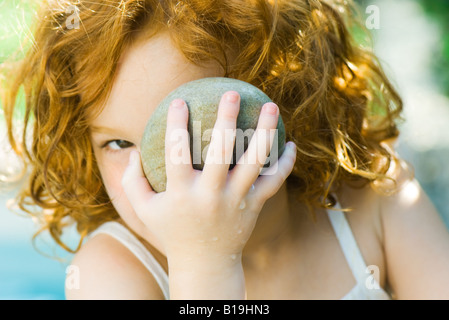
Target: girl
340, 206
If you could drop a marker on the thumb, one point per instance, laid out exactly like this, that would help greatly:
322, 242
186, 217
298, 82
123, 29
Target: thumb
135, 184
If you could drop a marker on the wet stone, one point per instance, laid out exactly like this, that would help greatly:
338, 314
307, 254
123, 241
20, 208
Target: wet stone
202, 98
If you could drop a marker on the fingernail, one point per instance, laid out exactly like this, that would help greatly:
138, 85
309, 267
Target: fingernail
291, 146
271, 108
178, 103
232, 97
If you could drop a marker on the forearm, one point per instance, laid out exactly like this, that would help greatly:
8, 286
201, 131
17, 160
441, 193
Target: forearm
208, 281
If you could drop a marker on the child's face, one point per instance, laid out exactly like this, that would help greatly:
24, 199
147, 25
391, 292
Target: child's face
147, 72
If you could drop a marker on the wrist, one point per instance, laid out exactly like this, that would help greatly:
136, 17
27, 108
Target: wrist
212, 278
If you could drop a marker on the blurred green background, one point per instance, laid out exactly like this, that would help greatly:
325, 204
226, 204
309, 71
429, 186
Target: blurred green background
412, 42
15, 18
438, 10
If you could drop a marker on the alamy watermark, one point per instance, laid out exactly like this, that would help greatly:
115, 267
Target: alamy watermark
372, 282
73, 21
72, 280
216, 153
372, 22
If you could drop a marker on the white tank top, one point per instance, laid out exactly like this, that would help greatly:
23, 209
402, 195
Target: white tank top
367, 288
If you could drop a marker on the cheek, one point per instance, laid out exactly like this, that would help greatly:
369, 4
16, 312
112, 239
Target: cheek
112, 180
112, 174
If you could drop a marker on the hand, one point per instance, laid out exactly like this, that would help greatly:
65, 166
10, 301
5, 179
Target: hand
204, 218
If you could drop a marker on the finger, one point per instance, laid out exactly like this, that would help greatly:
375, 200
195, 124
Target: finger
221, 147
178, 163
135, 184
268, 185
252, 161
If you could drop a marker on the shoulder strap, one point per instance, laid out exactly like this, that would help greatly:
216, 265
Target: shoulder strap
124, 236
348, 244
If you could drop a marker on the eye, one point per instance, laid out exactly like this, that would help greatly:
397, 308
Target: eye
118, 144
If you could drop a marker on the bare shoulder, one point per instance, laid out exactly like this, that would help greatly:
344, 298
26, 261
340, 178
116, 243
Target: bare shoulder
408, 204
416, 241
108, 270
404, 233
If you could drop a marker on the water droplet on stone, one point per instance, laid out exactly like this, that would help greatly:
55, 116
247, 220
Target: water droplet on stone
215, 239
242, 205
239, 231
233, 256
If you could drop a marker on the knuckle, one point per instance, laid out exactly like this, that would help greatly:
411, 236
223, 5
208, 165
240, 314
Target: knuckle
234, 199
210, 201
226, 116
289, 167
267, 194
257, 205
177, 193
281, 176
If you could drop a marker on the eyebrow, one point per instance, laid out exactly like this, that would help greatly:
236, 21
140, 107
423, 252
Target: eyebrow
106, 130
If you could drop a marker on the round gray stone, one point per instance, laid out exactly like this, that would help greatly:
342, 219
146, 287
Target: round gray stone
202, 98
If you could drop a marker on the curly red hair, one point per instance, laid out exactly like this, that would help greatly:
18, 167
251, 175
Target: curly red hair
337, 104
